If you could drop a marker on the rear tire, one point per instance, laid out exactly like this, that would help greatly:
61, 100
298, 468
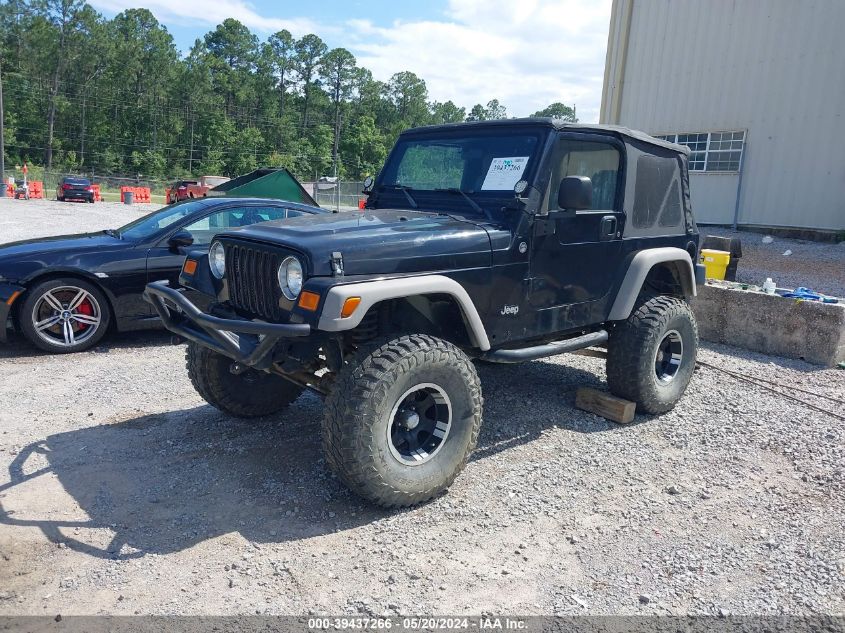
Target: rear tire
252, 394
651, 355
402, 419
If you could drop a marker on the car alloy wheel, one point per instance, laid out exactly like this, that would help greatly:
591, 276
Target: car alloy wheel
419, 424
66, 316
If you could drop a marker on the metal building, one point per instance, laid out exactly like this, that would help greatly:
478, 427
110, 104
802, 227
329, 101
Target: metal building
755, 88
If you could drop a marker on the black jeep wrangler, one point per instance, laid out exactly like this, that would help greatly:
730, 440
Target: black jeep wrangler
502, 241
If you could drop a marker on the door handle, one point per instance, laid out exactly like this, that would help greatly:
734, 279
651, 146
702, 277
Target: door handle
608, 228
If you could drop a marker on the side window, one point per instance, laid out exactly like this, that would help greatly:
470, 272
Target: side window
657, 198
596, 160
204, 229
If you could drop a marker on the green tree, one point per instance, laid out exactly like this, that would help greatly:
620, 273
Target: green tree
478, 113
364, 148
232, 55
495, 110
558, 110
337, 70
447, 113
309, 50
409, 94
279, 51
59, 30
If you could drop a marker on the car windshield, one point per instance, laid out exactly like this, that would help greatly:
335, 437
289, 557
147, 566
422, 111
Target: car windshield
492, 161
151, 224
78, 182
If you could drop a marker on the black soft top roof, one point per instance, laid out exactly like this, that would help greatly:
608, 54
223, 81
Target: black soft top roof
622, 132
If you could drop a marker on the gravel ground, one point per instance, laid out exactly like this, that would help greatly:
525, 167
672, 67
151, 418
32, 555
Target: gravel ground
122, 492
25, 219
142, 499
816, 265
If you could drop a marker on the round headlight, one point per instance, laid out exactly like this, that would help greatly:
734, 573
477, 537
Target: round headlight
290, 277
217, 260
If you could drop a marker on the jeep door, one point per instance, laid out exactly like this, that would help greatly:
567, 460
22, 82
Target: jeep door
576, 254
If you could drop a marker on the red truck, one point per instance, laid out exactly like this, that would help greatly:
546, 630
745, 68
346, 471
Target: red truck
185, 189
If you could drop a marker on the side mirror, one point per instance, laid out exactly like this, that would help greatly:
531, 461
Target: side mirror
180, 239
368, 183
575, 193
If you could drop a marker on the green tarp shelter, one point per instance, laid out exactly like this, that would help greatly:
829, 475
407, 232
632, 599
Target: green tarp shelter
278, 184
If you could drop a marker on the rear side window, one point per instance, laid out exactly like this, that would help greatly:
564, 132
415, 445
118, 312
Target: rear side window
657, 197
598, 161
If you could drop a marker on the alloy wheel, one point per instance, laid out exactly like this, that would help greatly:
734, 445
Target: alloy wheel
419, 424
66, 316
670, 353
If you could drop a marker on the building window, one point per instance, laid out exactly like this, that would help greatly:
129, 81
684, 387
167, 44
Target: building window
711, 151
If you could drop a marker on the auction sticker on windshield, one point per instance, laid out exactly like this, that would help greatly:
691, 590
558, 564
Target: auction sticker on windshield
504, 173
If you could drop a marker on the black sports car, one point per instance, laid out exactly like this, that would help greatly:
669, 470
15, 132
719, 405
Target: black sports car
65, 292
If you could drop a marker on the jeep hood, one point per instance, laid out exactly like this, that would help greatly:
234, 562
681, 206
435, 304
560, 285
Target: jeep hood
382, 241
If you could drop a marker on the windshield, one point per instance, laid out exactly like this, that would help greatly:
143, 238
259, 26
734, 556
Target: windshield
488, 162
151, 224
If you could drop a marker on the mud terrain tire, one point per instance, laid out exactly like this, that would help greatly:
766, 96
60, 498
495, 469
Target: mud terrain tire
402, 420
252, 394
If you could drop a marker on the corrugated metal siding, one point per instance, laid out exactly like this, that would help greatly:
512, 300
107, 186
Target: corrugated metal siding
775, 68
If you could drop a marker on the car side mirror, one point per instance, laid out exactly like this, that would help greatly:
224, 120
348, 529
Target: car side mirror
575, 193
180, 239
368, 183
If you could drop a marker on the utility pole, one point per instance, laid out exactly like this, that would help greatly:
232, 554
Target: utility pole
2, 139
191, 155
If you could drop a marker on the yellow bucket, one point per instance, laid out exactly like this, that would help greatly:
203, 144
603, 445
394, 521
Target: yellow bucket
715, 263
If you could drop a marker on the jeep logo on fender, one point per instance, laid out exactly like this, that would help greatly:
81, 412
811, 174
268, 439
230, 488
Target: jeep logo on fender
509, 310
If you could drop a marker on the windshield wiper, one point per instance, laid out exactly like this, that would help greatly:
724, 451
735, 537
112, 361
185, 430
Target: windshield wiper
405, 189
472, 203
112, 233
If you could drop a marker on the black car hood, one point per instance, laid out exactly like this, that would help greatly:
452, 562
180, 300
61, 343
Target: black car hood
379, 241
60, 243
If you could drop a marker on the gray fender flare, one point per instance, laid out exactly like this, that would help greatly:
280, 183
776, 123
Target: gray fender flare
372, 292
640, 266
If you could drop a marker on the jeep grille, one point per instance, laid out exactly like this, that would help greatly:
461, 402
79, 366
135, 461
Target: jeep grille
251, 272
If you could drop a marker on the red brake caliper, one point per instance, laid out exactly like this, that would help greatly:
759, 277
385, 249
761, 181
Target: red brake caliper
86, 309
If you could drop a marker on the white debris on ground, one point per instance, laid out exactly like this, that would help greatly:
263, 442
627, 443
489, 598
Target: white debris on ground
790, 263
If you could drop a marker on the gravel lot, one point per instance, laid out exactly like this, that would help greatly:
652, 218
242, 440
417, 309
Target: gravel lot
121, 492
24, 219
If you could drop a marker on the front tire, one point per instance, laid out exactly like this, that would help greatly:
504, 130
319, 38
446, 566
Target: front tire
64, 315
251, 394
651, 356
403, 419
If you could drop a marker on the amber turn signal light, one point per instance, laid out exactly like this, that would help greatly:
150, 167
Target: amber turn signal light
349, 306
15, 295
190, 266
309, 300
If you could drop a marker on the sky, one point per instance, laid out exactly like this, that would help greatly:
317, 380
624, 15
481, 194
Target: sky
525, 53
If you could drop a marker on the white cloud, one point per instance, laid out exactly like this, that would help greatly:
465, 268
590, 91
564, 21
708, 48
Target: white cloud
527, 54
212, 13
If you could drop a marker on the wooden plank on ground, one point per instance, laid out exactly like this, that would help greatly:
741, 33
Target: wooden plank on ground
606, 405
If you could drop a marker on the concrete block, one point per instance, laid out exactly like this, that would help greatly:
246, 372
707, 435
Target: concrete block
771, 324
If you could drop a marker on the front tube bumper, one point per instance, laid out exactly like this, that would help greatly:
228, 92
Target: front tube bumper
248, 342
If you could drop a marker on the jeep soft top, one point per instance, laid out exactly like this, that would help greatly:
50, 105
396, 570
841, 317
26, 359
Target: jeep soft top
500, 241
